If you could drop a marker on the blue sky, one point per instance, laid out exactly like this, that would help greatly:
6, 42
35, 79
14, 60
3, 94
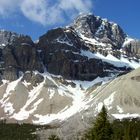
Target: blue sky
35, 17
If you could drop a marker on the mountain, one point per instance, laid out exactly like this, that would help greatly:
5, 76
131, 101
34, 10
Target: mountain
17, 54
88, 48
100, 29
120, 96
69, 74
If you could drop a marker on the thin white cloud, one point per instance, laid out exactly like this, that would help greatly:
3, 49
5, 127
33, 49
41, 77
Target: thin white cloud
8, 6
78, 5
34, 10
46, 12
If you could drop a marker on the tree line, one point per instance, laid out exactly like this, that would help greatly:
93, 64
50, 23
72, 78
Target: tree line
101, 129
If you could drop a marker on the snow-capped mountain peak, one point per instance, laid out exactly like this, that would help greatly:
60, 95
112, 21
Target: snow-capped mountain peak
69, 73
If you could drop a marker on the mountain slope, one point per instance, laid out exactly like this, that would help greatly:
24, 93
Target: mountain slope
100, 29
120, 96
57, 99
43, 101
88, 48
50, 81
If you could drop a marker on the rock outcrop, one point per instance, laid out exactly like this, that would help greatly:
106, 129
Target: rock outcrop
95, 27
68, 75
61, 55
72, 52
133, 49
19, 55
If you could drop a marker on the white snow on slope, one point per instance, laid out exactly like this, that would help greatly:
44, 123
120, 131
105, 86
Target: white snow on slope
99, 107
77, 105
86, 84
122, 62
108, 102
122, 116
102, 27
119, 109
127, 41
79, 102
23, 113
91, 40
77, 93
3, 45
64, 42
131, 63
5, 104
78, 96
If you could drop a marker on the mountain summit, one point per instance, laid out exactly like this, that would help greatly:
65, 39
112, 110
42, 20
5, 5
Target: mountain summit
86, 49
69, 73
100, 29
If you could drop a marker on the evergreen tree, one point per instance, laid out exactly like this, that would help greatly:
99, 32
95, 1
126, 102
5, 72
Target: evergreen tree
53, 137
127, 131
101, 129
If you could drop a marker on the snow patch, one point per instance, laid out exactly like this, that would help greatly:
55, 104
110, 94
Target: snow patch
122, 62
7, 106
119, 109
131, 63
128, 115
77, 93
108, 102
52, 92
127, 41
33, 94
64, 42
86, 84
77, 105
91, 40
99, 107
25, 83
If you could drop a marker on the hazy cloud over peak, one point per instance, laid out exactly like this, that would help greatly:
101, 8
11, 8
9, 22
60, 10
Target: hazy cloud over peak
45, 12
34, 10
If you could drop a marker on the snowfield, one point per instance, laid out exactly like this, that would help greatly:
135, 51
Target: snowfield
81, 98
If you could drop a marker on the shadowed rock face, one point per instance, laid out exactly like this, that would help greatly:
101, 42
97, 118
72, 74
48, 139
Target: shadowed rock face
61, 53
89, 49
19, 55
7, 37
95, 27
60, 50
133, 49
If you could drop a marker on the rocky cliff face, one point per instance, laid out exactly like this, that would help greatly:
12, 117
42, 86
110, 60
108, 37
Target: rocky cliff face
7, 37
120, 96
18, 54
101, 29
66, 51
69, 74
72, 52
61, 51
133, 49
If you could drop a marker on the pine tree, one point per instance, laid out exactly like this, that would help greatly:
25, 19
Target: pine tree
126, 130
101, 129
53, 137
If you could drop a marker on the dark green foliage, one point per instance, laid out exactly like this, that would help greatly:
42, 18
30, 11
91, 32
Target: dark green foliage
126, 129
17, 131
14, 131
53, 137
101, 129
